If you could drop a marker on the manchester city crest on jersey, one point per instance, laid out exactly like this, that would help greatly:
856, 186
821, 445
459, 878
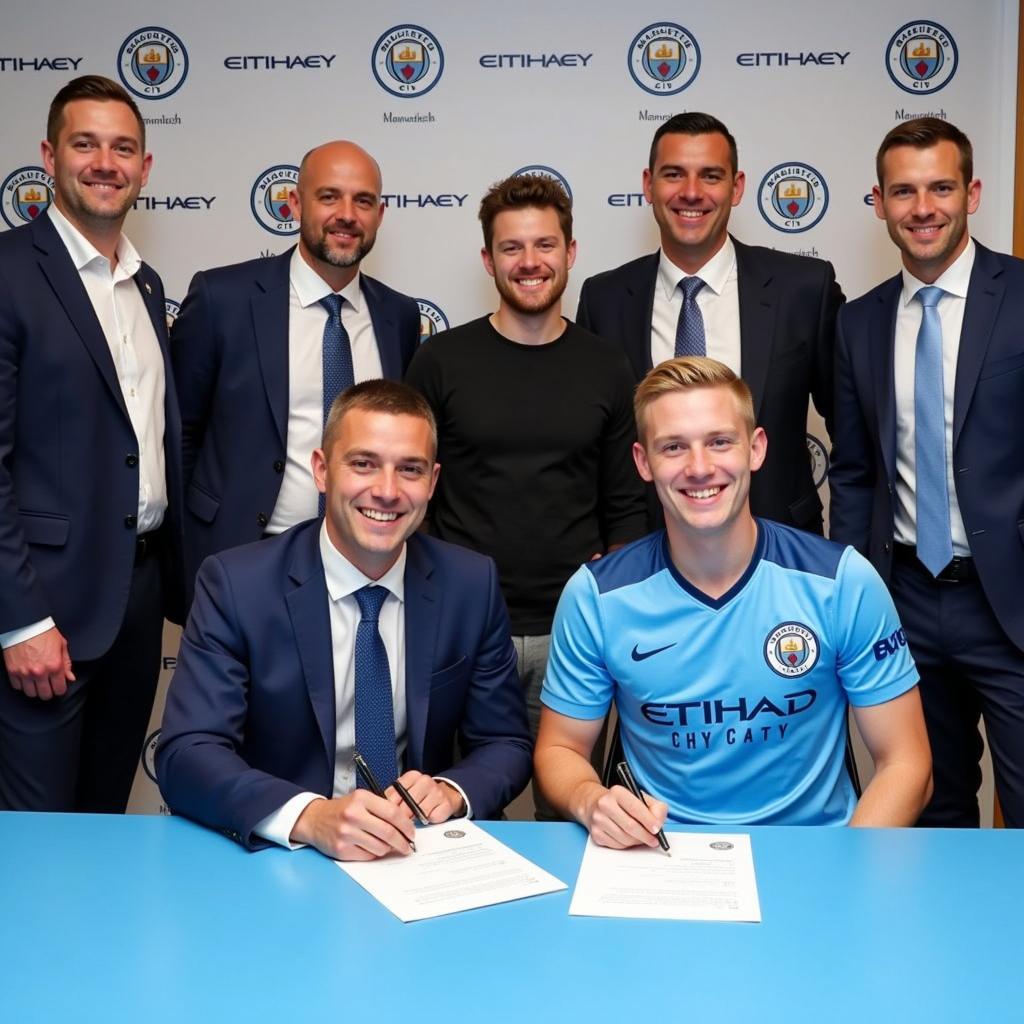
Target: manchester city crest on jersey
921, 57
26, 193
793, 197
543, 171
432, 319
152, 63
270, 199
663, 58
791, 649
407, 61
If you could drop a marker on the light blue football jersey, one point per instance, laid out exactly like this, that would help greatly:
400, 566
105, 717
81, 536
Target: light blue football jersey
733, 710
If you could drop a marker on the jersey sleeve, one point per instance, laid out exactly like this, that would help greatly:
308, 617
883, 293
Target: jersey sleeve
872, 658
577, 682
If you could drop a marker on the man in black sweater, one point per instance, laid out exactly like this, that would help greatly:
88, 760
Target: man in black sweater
535, 424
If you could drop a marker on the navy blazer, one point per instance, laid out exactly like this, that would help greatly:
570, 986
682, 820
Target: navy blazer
250, 714
988, 428
69, 468
788, 307
230, 351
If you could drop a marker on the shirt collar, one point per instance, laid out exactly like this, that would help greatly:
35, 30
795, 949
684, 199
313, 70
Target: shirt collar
343, 578
955, 279
310, 287
83, 252
714, 273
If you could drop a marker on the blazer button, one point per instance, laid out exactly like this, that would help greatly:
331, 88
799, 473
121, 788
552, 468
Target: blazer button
261, 519
129, 521
131, 459
887, 547
278, 466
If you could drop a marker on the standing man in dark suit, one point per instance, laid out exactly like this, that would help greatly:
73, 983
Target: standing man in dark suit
262, 348
278, 683
928, 476
767, 315
89, 470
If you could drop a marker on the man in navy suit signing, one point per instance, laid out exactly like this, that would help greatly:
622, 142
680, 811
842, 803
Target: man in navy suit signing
928, 470
89, 470
262, 348
351, 633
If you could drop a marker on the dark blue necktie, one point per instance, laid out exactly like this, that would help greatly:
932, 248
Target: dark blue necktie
375, 715
934, 542
690, 326
337, 358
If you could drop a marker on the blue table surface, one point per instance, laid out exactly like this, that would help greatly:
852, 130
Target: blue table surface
149, 919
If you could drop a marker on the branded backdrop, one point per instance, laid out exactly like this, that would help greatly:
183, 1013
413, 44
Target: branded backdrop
451, 97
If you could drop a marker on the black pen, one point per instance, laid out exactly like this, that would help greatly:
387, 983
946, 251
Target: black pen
371, 780
626, 775
411, 803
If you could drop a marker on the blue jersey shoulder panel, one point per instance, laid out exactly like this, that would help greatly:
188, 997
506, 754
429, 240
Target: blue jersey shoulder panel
804, 552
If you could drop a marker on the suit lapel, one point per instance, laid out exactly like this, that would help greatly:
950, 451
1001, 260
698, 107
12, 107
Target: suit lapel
311, 623
422, 612
636, 312
757, 321
270, 327
385, 331
70, 293
984, 298
882, 348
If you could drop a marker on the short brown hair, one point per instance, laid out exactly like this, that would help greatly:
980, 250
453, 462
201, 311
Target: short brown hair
387, 396
688, 373
520, 192
90, 87
693, 122
923, 133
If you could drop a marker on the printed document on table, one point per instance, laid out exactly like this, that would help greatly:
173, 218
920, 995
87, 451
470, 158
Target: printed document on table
709, 877
457, 866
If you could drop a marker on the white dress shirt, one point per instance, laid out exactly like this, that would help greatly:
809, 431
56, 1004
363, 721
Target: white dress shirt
138, 361
954, 282
343, 580
718, 302
298, 498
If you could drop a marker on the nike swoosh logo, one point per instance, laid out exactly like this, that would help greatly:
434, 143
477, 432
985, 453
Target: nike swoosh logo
643, 656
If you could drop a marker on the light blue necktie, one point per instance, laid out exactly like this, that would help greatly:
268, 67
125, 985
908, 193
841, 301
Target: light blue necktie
375, 715
934, 543
690, 325
337, 358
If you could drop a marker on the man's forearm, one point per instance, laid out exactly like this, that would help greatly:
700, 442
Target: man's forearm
568, 781
894, 798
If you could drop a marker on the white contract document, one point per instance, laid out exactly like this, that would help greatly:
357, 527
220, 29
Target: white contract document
709, 877
457, 866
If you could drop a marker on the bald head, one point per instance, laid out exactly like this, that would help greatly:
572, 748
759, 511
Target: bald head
338, 203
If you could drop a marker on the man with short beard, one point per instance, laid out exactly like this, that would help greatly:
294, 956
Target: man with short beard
534, 422
262, 348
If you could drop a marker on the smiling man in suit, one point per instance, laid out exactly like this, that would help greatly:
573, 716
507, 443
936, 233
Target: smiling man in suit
262, 348
350, 633
89, 470
768, 315
928, 477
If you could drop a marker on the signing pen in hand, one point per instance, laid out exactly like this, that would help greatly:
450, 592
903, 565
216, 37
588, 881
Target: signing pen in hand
371, 780
626, 775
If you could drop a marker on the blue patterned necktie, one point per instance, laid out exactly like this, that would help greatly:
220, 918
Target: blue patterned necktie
690, 326
375, 715
337, 358
934, 543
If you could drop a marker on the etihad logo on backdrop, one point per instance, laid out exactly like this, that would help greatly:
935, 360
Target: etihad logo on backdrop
24, 195
407, 61
40, 63
543, 171
152, 63
792, 197
421, 200
432, 319
628, 199
173, 202
772, 59
663, 58
921, 57
270, 199
268, 62
526, 61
